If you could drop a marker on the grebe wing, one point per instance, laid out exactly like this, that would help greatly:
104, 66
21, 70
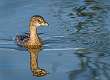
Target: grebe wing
22, 39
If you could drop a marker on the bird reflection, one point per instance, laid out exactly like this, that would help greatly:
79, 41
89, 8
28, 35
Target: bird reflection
36, 70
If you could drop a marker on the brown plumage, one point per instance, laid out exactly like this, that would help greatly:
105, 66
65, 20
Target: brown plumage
31, 39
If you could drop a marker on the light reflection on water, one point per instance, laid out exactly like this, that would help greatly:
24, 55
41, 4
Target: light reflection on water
76, 44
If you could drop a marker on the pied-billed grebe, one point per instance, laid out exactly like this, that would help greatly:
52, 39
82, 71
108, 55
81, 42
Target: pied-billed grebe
32, 42
31, 39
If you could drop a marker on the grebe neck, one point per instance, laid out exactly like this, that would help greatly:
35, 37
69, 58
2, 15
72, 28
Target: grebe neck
33, 32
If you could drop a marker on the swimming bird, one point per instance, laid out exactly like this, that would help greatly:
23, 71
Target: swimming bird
32, 42
31, 39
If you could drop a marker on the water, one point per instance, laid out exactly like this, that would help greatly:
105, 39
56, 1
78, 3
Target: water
76, 43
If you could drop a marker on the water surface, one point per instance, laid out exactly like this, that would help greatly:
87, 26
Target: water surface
76, 42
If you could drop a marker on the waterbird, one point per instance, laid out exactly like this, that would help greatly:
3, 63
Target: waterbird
32, 42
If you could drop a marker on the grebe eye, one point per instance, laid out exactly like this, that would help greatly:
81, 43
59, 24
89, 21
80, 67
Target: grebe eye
35, 19
39, 21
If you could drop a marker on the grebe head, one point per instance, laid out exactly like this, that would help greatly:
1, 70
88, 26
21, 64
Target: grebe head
37, 20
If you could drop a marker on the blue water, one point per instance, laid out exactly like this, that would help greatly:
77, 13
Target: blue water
76, 42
